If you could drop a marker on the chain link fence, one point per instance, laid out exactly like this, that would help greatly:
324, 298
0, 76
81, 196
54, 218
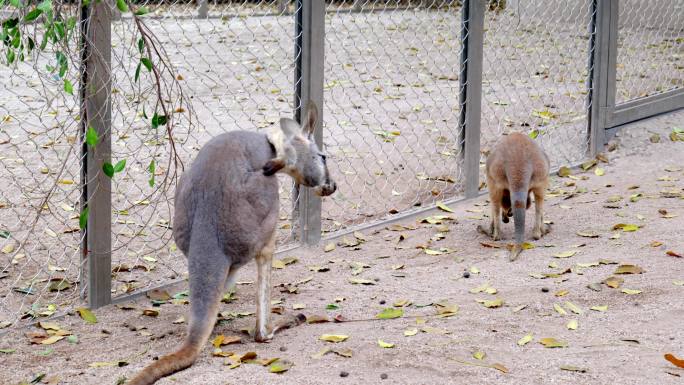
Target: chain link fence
650, 58
396, 105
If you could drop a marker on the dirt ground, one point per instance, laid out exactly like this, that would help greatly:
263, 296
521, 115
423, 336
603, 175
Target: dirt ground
623, 341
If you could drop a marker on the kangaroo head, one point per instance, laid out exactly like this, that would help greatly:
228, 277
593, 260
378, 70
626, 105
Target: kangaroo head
298, 155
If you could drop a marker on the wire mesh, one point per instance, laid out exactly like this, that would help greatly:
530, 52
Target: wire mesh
650, 48
39, 168
391, 107
535, 75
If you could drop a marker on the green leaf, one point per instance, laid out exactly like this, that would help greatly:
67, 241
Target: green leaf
141, 45
533, 134
91, 137
83, 218
8, 351
68, 87
120, 165
63, 63
108, 169
10, 56
45, 6
158, 120
16, 3
137, 73
142, 11
87, 315
121, 4
147, 63
389, 313
33, 15
280, 366
10, 23
151, 169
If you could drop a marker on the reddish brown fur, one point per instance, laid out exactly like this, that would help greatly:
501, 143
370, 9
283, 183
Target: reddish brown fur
516, 167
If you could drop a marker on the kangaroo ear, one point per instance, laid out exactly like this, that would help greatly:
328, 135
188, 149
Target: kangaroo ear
311, 118
289, 128
273, 166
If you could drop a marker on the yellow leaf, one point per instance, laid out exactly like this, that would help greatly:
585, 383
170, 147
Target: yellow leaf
474, 270
479, 355
433, 252
572, 324
329, 247
8, 248
334, 337
87, 315
359, 281
631, 291
410, 332
278, 264
613, 282
500, 368
565, 254
523, 341
628, 269
559, 309
384, 344
677, 282
599, 308
298, 306
51, 340
444, 207
217, 341
599, 171
564, 171
573, 308
561, 293
553, 343
493, 303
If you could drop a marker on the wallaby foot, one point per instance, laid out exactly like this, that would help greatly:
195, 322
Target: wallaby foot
492, 233
515, 252
539, 232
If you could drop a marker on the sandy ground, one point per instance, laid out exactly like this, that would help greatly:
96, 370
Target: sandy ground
390, 116
623, 344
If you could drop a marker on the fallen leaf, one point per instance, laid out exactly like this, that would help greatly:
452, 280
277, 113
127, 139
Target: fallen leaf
526, 339
673, 254
564, 171
588, 234
631, 291
333, 337
625, 227
280, 366
359, 281
329, 247
599, 308
500, 368
559, 309
410, 332
572, 324
478, 355
599, 171
573, 308
158, 295
565, 254
553, 343
87, 315
384, 344
573, 369
150, 312
444, 207
628, 269
390, 313
51, 340
613, 282
492, 303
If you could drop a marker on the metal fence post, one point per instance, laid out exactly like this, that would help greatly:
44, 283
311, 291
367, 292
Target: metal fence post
96, 112
309, 52
202, 9
470, 97
603, 67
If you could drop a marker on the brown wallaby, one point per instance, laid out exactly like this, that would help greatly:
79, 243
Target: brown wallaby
226, 208
516, 167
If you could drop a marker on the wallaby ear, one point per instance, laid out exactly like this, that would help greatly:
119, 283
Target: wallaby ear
273, 166
311, 118
290, 128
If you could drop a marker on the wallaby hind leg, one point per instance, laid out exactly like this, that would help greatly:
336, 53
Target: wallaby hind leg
263, 331
231, 281
495, 196
540, 229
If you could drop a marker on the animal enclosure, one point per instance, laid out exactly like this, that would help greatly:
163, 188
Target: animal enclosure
412, 94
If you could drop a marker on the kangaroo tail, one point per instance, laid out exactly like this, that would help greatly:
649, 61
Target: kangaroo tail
208, 268
519, 203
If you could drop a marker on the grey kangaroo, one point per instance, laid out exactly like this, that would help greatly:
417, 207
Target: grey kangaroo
516, 167
226, 208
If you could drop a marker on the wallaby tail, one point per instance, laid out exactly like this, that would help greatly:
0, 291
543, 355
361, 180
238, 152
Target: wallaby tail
208, 268
169, 364
519, 204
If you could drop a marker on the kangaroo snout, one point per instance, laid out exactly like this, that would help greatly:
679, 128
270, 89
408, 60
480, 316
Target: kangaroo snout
326, 189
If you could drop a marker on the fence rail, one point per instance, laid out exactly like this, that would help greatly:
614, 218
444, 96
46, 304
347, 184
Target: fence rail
412, 93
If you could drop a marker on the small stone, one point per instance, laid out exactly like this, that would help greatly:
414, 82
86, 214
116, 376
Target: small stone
383, 376
344, 374
382, 302
466, 274
545, 289
283, 348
